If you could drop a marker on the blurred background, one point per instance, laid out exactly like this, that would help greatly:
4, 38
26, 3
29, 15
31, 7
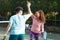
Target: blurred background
51, 9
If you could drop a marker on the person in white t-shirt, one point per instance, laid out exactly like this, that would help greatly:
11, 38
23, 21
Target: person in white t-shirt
17, 24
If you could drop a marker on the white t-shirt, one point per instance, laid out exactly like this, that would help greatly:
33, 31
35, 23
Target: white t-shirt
18, 23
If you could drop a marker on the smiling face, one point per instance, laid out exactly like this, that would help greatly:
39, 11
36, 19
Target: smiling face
20, 12
40, 15
37, 14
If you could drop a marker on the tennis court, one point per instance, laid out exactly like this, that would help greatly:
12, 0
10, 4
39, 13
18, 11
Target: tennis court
51, 36
46, 11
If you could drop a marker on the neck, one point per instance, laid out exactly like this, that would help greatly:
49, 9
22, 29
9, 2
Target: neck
37, 17
19, 13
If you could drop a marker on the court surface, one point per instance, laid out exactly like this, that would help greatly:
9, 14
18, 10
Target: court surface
51, 36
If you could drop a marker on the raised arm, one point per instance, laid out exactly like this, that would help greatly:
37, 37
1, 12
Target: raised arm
26, 16
29, 9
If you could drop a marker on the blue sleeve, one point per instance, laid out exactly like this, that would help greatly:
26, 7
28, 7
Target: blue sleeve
11, 20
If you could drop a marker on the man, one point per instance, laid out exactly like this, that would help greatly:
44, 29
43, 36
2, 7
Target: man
17, 24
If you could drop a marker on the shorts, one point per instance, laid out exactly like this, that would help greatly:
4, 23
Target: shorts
16, 37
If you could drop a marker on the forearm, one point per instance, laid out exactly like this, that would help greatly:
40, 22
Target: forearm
42, 28
8, 29
29, 10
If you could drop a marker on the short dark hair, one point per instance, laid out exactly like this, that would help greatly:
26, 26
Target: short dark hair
17, 9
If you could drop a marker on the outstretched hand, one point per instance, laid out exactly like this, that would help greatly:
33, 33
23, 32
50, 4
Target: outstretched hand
28, 4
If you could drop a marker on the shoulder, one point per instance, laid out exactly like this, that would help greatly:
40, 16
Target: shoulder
42, 23
13, 16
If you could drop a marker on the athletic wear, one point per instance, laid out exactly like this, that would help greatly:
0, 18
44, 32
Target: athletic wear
16, 37
34, 36
18, 23
18, 26
37, 26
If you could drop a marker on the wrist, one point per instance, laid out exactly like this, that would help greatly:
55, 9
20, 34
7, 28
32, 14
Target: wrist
5, 34
28, 6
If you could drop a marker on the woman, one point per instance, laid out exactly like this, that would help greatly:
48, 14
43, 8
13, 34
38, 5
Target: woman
37, 25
